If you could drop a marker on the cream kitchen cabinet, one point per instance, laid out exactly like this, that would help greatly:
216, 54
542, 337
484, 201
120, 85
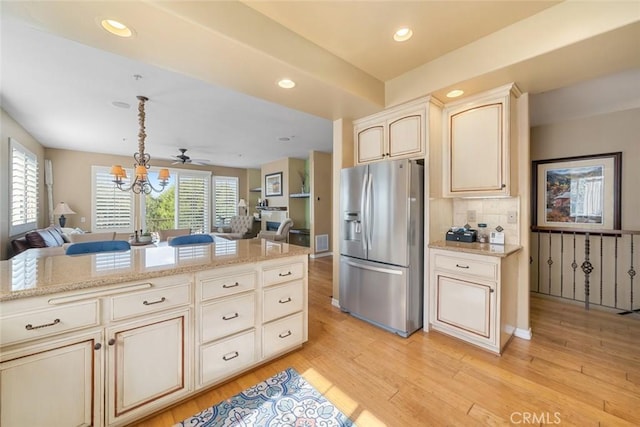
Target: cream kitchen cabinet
117, 352
53, 383
398, 132
473, 297
480, 145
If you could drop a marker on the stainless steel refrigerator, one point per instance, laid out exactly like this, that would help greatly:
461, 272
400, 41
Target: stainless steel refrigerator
382, 244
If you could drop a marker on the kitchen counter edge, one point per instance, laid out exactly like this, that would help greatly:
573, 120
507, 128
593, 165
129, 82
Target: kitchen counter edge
501, 251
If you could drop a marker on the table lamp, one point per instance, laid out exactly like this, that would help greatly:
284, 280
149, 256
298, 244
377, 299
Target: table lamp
62, 209
242, 204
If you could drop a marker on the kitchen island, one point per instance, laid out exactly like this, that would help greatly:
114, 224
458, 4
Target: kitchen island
108, 338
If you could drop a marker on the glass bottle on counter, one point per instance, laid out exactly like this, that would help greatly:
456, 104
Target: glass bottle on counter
482, 235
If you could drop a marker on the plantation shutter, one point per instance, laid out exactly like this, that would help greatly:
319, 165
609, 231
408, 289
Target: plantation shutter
226, 198
112, 208
193, 202
24, 189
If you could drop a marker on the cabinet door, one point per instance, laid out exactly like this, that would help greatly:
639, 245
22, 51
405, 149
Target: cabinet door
467, 306
405, 135
476, 150
370, 144
54, 385
148, 365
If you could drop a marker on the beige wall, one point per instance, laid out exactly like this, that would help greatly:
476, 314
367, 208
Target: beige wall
72, 178
321, 203
9, 128
596, 135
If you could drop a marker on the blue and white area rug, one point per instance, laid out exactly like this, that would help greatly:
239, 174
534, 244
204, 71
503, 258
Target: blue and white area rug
284, 400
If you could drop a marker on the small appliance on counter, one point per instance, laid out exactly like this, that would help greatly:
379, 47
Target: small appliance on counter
461, 234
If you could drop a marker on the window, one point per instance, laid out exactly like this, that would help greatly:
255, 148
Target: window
192, 201
24, 188
225, 189
112, 208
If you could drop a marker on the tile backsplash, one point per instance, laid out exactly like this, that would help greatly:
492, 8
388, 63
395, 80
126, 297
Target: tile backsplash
492, 212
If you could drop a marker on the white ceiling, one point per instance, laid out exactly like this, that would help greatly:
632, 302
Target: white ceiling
209, 69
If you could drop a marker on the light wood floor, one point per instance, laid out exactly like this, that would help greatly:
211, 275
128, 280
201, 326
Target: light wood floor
581, 368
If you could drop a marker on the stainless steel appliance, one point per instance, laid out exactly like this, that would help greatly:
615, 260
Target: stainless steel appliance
382, 244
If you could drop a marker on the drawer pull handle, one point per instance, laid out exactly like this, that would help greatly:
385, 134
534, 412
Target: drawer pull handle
226, 357
30, 327
163, 299
112, 341
230, 317
284, 301
285, 274
462, 266
231, 286
285, 334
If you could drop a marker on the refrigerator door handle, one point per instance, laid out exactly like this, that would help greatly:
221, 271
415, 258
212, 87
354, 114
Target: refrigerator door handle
363, 205
376, 269
369, 213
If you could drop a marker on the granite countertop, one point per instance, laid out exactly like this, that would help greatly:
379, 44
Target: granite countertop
30, 274
501, 251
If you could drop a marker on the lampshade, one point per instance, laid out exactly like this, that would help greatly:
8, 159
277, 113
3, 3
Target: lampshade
242, 204
63, 209
163, 174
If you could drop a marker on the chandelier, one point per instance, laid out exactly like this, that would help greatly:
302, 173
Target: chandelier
141, 182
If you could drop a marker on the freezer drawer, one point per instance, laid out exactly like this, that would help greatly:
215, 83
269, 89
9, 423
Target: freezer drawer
380, 294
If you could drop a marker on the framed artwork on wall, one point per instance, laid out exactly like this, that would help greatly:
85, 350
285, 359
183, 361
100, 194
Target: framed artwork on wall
581, 192
273, 184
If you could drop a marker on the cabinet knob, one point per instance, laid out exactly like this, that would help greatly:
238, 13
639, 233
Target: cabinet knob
112, 341
98, 346
504, 185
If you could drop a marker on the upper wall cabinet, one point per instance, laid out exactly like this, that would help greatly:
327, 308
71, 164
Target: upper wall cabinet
394, 133
480, 145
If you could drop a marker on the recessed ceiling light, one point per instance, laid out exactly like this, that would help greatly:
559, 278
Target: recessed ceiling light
403, 34
284, 139
120, 104
117, 28
286, 83
455, 93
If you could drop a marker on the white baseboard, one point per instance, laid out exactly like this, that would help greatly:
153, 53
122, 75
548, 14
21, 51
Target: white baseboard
320, 255
335, 303
525, 334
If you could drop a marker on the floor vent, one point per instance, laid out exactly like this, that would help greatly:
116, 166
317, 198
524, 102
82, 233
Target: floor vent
322, 242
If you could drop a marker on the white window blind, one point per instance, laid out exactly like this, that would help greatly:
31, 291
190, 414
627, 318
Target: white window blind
225, 198
24, 189
112, 208
193, 201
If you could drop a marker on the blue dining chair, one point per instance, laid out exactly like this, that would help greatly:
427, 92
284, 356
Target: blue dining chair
190, 239
97, 246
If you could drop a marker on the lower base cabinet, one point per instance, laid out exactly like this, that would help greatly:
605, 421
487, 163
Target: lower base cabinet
473, 297
53, 384
226, 357
148, 365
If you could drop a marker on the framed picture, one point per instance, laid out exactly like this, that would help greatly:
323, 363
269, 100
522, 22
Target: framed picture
273, 184
578, 192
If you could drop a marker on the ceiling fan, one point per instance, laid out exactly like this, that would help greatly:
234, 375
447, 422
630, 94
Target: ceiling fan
182, 159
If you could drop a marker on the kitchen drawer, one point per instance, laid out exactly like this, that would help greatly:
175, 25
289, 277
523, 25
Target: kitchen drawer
220, 286
227, 316
283, 273
48, 322
222, 358
151, 301
282, 334
472, 266
280, 301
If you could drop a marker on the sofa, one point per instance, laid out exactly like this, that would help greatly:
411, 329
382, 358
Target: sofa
53, 240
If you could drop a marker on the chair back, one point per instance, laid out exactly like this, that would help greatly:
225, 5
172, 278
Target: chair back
164, 235
285, 226
241, 223
97, 246
190, 239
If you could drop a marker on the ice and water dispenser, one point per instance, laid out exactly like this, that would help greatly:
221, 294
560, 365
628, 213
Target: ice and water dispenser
352, 226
